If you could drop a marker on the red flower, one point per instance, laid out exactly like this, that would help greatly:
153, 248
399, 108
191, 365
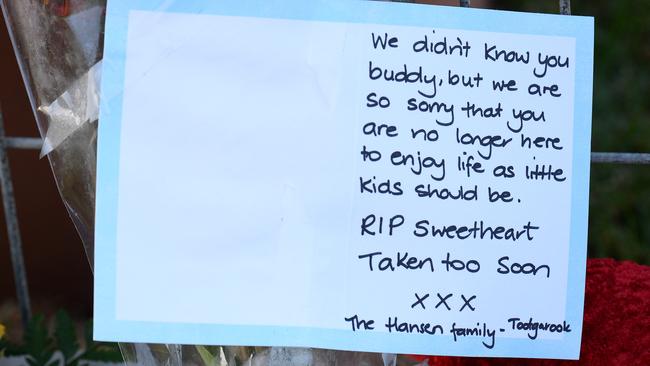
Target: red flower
616, 329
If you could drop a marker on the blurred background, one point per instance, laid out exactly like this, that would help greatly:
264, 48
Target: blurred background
619, 212
58, 272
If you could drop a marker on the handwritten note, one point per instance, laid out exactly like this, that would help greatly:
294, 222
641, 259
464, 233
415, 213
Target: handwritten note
343, 174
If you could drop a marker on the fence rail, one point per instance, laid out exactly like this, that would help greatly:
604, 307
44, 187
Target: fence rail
34, 143
13, 231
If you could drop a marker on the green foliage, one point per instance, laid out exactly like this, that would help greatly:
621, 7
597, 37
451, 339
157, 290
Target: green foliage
619, 217
41, 347
101, 352
65, 335
210, 355
38, 345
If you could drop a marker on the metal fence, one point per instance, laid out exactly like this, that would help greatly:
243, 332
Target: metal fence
13, 232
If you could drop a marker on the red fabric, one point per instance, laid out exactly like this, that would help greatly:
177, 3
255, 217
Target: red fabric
616, 329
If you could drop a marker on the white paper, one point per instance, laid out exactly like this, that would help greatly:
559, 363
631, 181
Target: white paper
240, 180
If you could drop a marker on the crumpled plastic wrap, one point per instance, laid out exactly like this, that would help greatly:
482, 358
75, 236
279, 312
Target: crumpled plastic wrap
58, 44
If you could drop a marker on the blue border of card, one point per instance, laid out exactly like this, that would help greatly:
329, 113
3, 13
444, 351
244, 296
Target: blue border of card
108, 328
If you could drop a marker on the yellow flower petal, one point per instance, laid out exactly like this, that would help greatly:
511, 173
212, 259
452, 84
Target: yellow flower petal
2, 331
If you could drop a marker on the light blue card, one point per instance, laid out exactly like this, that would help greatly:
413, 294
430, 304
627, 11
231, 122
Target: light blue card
351, 175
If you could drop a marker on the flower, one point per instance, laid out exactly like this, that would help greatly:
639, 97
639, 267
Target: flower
2, 331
